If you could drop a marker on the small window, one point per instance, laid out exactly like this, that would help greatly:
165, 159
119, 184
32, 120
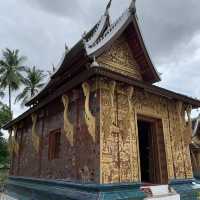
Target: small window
54, 145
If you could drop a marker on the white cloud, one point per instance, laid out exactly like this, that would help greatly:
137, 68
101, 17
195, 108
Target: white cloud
181, 70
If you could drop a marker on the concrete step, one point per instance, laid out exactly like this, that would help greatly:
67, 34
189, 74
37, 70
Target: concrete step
160, 192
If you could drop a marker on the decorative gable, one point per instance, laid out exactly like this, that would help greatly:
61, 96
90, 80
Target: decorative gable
119, 58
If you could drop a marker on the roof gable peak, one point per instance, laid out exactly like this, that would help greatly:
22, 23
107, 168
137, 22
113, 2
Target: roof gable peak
99, 28
132, 6
101, 34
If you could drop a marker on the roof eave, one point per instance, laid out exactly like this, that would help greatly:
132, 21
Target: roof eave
98, 71
157, 77
71, 54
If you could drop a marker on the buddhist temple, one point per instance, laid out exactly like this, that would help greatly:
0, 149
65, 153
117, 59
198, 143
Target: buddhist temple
101, 129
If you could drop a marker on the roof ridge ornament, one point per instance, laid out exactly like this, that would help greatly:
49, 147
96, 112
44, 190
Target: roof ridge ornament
66, 48
132, 6
110, 31
99, 28
108, 7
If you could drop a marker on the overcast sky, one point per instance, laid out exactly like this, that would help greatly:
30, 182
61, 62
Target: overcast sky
171, 30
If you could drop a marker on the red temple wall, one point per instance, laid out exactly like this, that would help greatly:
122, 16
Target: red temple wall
79, 162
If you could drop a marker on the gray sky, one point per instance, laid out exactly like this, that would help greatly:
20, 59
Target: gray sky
171, 30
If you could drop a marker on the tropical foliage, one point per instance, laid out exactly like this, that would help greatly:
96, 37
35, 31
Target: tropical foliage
4, 155
14, 76
11, 71
33, 82
5, 116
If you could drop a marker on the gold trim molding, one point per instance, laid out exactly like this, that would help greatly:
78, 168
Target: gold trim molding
35, 137
188, 126
89, 118
68, 126
13, 144
110, 124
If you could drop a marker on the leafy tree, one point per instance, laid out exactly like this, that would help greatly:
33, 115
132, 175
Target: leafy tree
5, 116
33, 82
11, 71
4, 154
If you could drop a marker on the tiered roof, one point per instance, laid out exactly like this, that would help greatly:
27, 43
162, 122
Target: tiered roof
97, 40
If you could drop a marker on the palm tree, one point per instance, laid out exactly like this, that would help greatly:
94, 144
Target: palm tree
33, 83
11, 71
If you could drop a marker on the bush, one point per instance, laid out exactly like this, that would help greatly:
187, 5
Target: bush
3, 178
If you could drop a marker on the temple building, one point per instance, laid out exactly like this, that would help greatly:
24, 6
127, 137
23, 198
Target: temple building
100, 126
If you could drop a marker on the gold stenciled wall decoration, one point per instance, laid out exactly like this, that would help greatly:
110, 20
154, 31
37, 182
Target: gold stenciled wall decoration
35, 137
119, 59
89, 118
110, 124
10, 142
187, 139
188, 126
118, 155
109, 134
180, 130
128, 120
119, 146
13, 144
68, 126
131, 127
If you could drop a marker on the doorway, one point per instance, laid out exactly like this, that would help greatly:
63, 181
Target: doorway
153, 163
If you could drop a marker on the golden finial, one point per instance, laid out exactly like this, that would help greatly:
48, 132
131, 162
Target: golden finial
108, 7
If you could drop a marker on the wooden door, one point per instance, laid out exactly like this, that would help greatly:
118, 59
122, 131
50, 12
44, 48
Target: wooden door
162, 162
157, 165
